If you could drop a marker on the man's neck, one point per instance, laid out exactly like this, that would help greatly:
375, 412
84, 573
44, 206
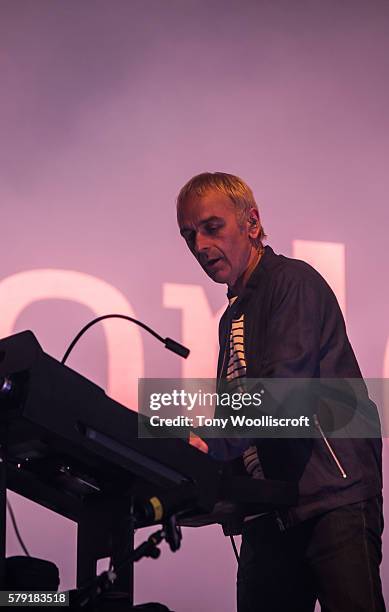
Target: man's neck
241, 282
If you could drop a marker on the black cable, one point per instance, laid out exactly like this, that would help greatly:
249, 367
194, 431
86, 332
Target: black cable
245, 594
234, 547
172, 345
17, 532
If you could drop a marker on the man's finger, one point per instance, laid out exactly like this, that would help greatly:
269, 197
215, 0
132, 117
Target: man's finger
198, 443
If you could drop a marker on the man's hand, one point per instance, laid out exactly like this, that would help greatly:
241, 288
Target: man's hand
198, 443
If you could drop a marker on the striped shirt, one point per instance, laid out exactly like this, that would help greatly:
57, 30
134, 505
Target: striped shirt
236, 371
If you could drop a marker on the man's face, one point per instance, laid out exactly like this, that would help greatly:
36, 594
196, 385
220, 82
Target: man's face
212, 232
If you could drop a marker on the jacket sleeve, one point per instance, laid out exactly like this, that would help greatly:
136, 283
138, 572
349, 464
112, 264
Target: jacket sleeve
226, 449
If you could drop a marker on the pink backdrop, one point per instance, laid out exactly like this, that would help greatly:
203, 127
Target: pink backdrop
107, 107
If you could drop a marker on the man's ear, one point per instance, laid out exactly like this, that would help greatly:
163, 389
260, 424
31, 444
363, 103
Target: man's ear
254, 223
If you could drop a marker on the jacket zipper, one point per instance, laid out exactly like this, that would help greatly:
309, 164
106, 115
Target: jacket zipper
328, 445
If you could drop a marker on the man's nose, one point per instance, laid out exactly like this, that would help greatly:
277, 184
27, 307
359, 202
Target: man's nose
201, 243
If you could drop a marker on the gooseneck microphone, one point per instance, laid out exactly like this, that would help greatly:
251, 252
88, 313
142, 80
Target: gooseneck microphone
170, 344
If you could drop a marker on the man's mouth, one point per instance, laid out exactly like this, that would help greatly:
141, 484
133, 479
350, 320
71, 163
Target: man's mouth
212, 262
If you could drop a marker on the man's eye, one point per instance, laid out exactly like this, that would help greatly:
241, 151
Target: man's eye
212, 229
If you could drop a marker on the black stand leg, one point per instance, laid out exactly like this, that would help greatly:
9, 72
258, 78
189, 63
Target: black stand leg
3, 513
106, 530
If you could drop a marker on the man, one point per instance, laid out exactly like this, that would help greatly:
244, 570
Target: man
283, 321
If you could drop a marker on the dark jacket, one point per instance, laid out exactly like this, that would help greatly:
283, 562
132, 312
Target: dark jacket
294, 328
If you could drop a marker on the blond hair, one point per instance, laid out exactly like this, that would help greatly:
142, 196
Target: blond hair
230, 185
